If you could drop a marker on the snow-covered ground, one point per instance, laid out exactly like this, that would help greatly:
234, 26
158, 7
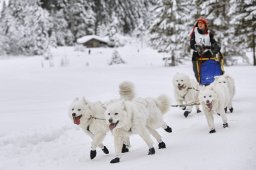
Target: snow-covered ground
37, 134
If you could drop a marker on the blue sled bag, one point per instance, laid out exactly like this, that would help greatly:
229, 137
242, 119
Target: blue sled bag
209, 69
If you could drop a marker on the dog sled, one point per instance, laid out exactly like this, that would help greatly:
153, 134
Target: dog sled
209, 67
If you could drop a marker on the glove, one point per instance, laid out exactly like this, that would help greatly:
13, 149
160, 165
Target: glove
215, 48
199, 48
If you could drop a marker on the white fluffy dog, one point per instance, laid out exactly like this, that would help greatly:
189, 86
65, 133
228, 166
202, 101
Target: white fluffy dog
214, 99
153, 106
229, 83
134, 117
90, 117
186, 91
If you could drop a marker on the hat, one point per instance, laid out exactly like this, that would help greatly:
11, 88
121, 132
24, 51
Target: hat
202, 19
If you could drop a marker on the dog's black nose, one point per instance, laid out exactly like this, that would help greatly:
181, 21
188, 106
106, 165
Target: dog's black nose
207, 101
110, 120
74, 114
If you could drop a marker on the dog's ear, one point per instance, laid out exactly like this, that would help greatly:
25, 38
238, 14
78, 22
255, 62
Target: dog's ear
76, 99
84, 100
104, 105
227, 77
216, 78
201, 88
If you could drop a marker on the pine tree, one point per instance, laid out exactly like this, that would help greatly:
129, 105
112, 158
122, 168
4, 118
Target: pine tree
169, 30
25, 27
116, 58
59, 30
244, 21
80, 17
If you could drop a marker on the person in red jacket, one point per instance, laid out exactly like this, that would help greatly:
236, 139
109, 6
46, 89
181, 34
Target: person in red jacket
203, 44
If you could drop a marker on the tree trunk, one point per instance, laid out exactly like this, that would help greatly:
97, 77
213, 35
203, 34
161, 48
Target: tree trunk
253, 49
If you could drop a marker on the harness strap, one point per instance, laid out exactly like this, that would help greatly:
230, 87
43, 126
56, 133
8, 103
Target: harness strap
189, 88
193, 88
184, 105
92, 117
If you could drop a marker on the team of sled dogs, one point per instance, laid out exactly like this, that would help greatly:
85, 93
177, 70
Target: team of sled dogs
143, 116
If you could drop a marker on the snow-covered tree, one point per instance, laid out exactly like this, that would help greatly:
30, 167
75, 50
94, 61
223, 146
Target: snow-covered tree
24, 26
80, 17
116, 58
244, 24
170, 28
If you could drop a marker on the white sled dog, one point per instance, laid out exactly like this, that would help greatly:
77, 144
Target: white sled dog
136, 116
153, 106
90, 117
214, 99
186, 91
228, 81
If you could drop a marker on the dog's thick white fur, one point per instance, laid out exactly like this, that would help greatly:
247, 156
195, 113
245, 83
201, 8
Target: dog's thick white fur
127, 90
214, 98
155, 108
228, 81
186, 91
90, 117
134, 117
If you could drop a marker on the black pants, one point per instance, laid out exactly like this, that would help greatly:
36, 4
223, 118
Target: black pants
195, 69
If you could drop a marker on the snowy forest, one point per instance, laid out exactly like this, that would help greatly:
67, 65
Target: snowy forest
30, 27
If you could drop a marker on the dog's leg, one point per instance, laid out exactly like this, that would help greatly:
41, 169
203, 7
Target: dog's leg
104, 148
180, 102
157, 136
186, 113
210, 121
198, 109
146, 137
166, 127
224, 118
96, 141
93, 152
126, 144
230, 107
118, 142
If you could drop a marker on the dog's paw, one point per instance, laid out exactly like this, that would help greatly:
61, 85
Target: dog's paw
225, 125
168, 129
116, 160
125, 149
198, 111
226, 109
151, 151
186, 113
231, 110
93, 154
161, 145
105, 150
212, 131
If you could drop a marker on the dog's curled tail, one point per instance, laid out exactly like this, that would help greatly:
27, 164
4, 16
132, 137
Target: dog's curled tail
163, 103
126, 90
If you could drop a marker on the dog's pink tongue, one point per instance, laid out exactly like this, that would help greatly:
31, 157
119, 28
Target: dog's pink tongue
77, 120
209, 106
112, 126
